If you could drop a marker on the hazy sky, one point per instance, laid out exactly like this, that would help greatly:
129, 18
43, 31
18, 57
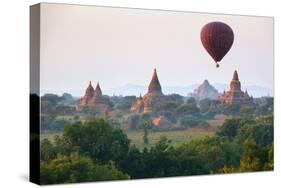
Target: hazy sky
117, 46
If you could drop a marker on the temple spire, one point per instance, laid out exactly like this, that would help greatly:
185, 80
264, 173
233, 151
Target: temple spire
154, 86
98, 89
90, 90
235, 76
235, 83
89, 93
235, 95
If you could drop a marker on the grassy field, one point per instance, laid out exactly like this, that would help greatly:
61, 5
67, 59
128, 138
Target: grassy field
176, 137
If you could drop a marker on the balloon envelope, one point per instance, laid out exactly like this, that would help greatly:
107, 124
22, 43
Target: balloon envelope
217, 38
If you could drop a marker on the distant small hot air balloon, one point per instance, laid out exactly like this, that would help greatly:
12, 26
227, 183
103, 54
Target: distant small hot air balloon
217, 38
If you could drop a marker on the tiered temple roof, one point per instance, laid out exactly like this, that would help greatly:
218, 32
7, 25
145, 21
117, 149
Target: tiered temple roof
235, 95
88, 95
94, 99
155, 86
97, 97
204, 91
154, 95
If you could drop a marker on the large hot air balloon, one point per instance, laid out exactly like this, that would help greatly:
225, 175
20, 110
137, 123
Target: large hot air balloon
217, 38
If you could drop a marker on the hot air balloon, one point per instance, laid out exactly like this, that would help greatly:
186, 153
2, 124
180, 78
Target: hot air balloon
217, 38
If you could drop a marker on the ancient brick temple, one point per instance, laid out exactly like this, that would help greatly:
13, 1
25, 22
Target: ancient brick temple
93, 99
235, 95
204, 91
153, 96
88, 95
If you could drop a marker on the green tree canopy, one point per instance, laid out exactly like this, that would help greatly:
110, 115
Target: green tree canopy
76, 168
230, 126
254, 157
261, 133
96, 139
47, 150
188, 109
208, 154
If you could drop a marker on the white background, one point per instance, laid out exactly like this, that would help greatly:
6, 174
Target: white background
14, 91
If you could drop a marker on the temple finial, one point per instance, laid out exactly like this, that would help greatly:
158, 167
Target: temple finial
235, 76
98, 89
154, 85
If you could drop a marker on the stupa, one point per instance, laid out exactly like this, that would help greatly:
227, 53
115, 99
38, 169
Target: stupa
235, 95
94, 99
205, 91
88, 95
152, 97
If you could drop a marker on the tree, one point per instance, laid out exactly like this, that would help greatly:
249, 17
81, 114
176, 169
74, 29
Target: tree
265, 105
261, 133
207, 155
125, 103
67, 169
268, 119
188, 109
227, 170
189, 121
145, 123
135, 163
68, 98
175, 98
114, 123
161, 161
133, 121
169, 115
204, 105
246, 111
96, 139
51, 124
51, 99
47, 150
76, 168
230, 126
63, 146
232, 109
270, 164
166, 105
191, 100
254, 157
158, 161
108, 172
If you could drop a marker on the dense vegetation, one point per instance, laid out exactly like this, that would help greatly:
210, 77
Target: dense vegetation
89, 148
182, 113
95, 151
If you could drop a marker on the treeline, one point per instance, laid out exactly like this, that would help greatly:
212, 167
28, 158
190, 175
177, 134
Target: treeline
85, 152
53, 105
94, 151
178, 112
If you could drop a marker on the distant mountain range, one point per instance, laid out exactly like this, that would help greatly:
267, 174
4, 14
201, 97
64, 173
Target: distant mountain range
131, 89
